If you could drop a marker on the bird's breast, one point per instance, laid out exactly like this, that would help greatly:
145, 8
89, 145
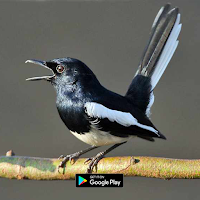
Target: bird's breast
73, 115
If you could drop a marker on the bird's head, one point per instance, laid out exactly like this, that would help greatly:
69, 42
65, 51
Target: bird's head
65, 71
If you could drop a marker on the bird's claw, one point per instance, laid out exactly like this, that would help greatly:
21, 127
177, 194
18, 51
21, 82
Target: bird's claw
67, 158
93, 162
88, 160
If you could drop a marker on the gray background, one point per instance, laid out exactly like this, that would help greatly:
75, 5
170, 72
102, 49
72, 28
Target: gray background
109, 37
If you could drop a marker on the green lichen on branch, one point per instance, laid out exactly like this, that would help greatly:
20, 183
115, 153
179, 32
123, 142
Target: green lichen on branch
47, 169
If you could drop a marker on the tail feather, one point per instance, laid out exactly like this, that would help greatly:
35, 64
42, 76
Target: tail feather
158, 53
162, 44
162, 12
155, 35
167, 53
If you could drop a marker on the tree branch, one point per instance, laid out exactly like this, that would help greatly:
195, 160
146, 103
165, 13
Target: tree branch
19, 167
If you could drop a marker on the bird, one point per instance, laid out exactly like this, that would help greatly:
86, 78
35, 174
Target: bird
100, 117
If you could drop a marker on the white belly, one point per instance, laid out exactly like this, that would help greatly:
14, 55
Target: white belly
99, 138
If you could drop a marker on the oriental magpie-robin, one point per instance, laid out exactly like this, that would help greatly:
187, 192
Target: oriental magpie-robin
98, 116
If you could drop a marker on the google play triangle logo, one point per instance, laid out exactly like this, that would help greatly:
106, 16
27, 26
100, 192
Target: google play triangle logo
81, 180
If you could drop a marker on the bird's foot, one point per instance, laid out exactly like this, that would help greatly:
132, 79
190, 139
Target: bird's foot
93, 161
68, 158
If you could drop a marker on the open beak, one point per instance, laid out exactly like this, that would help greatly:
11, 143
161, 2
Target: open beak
43, 64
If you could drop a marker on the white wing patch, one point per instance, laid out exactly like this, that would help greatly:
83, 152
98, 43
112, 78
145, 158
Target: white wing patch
167, 52
97, 110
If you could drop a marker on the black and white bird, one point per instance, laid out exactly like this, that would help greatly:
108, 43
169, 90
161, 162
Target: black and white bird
98, 116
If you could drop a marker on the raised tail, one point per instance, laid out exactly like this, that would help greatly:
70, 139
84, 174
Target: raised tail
159, 51
162, 44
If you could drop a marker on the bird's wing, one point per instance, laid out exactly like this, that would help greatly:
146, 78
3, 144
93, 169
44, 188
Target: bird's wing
119, 123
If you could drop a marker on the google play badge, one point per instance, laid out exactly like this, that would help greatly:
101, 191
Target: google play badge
81, 180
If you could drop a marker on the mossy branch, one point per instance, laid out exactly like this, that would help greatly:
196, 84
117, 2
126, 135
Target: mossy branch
20, 167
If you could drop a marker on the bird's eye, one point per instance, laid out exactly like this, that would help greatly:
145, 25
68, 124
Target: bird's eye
60, 69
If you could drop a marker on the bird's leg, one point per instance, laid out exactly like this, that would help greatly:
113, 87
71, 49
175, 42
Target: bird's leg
94, 160
74, 155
